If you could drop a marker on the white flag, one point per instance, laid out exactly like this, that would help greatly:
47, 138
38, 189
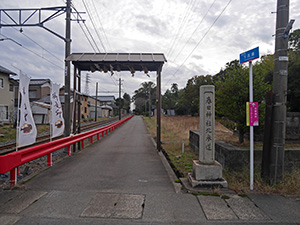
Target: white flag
57, 119
26, 130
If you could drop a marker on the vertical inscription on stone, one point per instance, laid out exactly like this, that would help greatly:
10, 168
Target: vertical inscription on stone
207, 124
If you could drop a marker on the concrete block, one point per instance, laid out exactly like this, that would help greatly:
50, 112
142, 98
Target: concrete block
207, 183
207, 172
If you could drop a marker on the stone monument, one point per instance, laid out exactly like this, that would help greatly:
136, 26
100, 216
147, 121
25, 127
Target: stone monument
207, 171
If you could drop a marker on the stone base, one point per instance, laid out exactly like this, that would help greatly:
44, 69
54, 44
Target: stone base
207, 172
207, 183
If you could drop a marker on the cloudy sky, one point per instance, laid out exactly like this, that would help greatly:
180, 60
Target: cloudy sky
198, 37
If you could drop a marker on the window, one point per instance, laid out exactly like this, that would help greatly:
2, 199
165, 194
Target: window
1, 83
3, 112
85, 110
11, 87
32, 94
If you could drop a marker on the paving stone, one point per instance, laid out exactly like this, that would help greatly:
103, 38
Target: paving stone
102, 205
115, 206
9, 220
245, 209
216, 208
129, 206
60, 204
21, 202
6, 196
166, 207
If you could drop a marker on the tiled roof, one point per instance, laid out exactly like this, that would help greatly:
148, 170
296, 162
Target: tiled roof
6, 71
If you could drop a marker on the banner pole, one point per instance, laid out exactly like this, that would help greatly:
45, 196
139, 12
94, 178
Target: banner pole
18, 114
251, 127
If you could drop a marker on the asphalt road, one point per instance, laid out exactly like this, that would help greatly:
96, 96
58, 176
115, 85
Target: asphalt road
121, 179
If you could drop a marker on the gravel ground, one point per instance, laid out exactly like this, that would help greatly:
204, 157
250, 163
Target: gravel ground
32, 168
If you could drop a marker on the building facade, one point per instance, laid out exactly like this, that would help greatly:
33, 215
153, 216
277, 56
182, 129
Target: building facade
7, 96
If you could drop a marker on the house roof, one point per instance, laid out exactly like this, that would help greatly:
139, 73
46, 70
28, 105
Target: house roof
118, 61
37, 81
108, 98
42, 104
6, 71
106, 107
46, 99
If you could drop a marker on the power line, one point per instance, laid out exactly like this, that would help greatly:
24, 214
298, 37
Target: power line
101, 26
35, 53
125, 87
177, 32
186, 22
180, 51
200, 40
194, 31
86, 36
91, 36
96, 30
34, 42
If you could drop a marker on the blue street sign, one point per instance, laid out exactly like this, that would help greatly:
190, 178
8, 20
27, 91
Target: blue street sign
249, 55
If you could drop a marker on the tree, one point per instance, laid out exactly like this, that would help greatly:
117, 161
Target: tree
141, 97
293, 96
189, 98
127, 102
170, 98
232, 93
294, 41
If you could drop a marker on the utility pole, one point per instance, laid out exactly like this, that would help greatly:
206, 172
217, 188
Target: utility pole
32, 17
150, 105
96, 101
158, 110
67, 69
280, 92
120, 98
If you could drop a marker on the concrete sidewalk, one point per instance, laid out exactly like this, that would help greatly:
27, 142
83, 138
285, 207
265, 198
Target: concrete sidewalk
121, 179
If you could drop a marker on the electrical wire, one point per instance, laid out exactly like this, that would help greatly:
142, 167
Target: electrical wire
33, 52
200, 41
88, 31
102, 28
86, 36
182, 27
181, 50
34, 42
96, 30
186, 22
178, 29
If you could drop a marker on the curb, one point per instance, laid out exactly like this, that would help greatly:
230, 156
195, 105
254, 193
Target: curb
172, 175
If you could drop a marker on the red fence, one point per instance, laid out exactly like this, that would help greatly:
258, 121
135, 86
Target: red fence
10, 162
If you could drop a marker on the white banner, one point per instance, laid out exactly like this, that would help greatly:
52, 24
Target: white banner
57, 119
26, 131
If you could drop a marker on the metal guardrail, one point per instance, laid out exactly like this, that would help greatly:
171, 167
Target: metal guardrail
40, 139
11, 162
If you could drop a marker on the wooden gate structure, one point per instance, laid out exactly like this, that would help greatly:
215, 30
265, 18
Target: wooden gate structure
110, 62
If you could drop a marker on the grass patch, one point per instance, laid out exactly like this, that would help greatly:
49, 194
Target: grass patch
239, 181
177, 181
175, 131
243, 195
9, 132
206, 194
224, 197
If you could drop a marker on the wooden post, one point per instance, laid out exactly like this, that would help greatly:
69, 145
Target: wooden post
158, 110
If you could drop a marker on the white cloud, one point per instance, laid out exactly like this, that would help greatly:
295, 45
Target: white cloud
148, 26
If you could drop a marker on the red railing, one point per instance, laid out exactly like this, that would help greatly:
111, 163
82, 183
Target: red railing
12, 161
